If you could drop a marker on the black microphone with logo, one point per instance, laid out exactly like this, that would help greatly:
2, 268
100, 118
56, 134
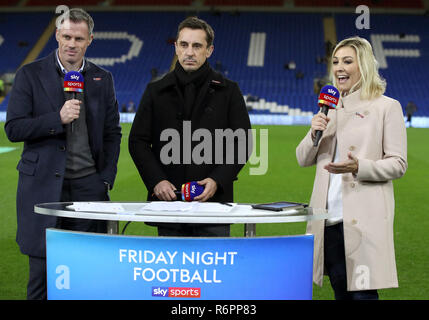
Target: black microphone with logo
73, 82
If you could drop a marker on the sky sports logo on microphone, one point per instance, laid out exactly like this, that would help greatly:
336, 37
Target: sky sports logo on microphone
190, 190
328, 97
73, 81
173, 292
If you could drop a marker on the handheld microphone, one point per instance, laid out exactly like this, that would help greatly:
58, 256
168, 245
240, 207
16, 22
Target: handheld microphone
190, 190
73, 82
328, 99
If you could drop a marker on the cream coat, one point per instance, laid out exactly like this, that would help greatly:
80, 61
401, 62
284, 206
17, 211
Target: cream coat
374, 131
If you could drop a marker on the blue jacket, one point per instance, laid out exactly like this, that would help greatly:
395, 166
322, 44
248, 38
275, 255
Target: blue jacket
33, 117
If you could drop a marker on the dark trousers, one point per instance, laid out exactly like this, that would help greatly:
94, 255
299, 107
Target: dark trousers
194, 230
89, 188
335, 265
36, 287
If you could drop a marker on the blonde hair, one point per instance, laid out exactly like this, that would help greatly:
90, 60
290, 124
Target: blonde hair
371, 83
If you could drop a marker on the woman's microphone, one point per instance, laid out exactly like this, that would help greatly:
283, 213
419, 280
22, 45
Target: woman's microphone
328, 99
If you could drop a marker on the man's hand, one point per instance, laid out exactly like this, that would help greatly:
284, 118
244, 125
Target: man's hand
210, 187
164, 191
70, 111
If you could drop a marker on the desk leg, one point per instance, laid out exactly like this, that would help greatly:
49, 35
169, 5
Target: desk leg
250, 230
112, 227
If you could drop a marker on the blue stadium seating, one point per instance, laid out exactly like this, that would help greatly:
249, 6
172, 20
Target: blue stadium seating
152, 28
20, 32
272, 82
297, 37
407, 78
294, 37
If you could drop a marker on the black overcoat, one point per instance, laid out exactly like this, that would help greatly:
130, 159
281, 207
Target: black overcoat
219, 106
33, 117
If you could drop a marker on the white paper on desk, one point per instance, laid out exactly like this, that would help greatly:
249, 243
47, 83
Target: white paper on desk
212, 207
97, 207
168, 206
187, 206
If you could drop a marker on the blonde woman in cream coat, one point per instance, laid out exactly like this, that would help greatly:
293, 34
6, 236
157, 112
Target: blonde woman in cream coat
363, 148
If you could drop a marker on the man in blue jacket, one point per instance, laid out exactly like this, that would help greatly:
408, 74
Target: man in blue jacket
71, 144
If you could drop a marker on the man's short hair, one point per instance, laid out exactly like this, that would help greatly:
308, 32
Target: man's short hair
76, 15
196, 23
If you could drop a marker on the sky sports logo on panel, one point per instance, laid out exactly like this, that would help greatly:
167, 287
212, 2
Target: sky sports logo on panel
171, 292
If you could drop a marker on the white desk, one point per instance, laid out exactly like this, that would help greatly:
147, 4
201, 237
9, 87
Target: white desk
134, 211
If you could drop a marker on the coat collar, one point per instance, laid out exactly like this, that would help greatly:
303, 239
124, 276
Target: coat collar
353, 102
215, 78
169, 83
51, 84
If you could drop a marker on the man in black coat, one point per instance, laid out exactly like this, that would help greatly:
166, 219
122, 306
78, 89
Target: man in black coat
58, 163
206, 118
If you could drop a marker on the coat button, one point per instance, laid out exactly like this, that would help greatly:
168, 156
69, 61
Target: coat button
62, 148
52, 131
352, 184
354, 221
57, 174
352, 148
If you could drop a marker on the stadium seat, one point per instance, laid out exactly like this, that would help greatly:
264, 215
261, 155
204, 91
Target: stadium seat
404, 48
134, 44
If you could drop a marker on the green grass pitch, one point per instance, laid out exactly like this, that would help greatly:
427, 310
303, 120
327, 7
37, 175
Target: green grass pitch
284, 180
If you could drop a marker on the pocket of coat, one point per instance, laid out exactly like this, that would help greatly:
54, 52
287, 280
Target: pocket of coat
28, 163
26, 168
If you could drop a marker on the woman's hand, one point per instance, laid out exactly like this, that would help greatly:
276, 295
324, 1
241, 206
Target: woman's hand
350, 165
319, 122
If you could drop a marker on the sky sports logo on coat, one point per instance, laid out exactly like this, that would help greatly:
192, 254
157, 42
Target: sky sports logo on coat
172, 292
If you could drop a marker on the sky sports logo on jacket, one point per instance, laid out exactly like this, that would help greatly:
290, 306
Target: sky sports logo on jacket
171, 292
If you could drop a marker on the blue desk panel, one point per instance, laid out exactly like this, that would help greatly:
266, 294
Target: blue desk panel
100, 266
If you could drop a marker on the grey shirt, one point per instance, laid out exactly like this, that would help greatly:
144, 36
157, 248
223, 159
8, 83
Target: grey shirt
79, 161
